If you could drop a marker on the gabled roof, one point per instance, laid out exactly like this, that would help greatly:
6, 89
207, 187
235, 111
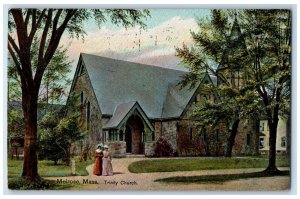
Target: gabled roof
119, 113
117, 82
123, 112
176, 100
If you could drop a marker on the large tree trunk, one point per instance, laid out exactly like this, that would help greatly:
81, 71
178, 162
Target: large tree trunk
272, 140
231, 138
29, 103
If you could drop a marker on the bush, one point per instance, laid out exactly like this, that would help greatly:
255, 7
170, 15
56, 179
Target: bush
163, 148
23, 184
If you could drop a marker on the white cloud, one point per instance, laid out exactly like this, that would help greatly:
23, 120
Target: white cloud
156, 44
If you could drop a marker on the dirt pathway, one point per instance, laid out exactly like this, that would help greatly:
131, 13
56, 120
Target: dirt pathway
126, 181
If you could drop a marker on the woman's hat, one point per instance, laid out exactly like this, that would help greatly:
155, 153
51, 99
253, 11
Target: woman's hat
99, 145
105, 146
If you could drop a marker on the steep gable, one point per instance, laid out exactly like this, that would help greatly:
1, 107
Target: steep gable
117, 82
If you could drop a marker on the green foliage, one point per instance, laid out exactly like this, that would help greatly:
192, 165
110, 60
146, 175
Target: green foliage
48, 148
68, 132
54, 82
23, 184
15, 121
58, 132
252, 47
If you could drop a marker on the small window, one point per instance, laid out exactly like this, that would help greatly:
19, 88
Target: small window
81, 99
88, 114
261, 143
110, 135
191, 133
261, 126
283, 142
203, 135
121, 135
153, 136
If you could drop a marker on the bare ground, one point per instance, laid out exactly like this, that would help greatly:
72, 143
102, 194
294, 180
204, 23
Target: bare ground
125, 181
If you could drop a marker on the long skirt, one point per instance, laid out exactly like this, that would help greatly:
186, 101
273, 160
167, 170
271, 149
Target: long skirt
98, 166
107, 167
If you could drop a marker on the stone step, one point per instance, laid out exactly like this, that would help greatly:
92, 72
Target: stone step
130, 155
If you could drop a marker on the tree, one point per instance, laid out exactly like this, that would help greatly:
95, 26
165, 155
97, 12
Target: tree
53, 86
48, 148
219, 49
27, 24
54, 81
269, 44
266, 59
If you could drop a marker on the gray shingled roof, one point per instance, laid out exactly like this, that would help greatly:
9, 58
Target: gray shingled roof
120, 112
176, 100
117, 82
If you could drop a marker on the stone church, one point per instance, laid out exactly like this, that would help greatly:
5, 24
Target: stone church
128, 106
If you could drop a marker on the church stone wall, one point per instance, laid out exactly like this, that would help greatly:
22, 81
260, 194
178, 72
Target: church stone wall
247, 138
149, 148
117, 149
169, 131
94, 130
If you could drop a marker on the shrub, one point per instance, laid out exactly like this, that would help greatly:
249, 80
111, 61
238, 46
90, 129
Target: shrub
163, 148
23, 184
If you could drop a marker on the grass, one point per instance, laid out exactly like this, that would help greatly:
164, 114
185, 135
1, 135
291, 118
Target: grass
45, 169
202, 163
48, 169
217, 179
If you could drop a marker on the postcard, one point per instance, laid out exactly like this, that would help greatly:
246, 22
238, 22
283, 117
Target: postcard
179, 99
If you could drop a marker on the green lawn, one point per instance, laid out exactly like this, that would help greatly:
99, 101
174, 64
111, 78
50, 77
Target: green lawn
45, 169
216, 179
202, 163
48, 169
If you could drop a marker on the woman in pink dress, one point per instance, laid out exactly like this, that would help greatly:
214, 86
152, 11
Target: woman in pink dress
106, 161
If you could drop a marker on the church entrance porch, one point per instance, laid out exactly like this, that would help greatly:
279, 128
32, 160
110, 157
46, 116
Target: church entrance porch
134, 135
128, 131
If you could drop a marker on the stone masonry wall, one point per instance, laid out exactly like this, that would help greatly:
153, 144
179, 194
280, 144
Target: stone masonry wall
94, 131
149, 148
241, 147
117, 148
169, 131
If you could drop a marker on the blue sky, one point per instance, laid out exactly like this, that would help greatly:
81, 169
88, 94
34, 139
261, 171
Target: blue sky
158, 16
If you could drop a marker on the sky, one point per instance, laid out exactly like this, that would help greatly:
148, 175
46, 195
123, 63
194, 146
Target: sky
165, 30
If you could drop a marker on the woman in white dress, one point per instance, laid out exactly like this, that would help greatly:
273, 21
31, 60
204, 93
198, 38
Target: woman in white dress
106, 161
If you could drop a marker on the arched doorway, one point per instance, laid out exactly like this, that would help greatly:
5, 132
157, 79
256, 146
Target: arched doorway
134, 135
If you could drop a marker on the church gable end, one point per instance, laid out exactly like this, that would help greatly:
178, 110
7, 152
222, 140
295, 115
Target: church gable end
90, 119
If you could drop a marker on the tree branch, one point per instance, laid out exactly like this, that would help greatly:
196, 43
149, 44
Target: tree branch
14, 45
21, 29
35, 25
43, 40
17, 63
53, 44
27, 17
55, 21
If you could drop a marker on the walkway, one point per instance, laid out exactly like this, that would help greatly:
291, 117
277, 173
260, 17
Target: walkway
126, 181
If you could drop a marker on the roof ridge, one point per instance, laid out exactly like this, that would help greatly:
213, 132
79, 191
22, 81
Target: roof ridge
154, 66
